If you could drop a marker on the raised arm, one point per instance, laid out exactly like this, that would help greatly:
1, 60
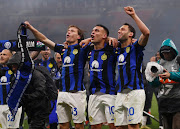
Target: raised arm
40, 36
34, 54
142, 27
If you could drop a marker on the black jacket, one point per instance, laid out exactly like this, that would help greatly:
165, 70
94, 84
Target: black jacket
34, 100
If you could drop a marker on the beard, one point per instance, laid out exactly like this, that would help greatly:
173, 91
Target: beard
122, 40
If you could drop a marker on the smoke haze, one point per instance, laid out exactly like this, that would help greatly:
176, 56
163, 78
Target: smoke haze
52, 17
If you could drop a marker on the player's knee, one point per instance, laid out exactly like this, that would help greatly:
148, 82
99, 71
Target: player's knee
111, 126
133, 126
64, 125
79, 125
98, 126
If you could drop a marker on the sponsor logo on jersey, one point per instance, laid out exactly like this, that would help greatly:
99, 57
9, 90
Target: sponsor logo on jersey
67, 61
3, 79
121, 60
95, 66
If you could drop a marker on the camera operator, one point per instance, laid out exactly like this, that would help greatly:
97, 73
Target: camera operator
169, 82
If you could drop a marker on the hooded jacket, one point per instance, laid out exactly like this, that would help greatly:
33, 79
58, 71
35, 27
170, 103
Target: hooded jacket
36, 88
34, 99
169, 93
168, 46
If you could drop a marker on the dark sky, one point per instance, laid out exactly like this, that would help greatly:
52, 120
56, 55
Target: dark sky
52, 17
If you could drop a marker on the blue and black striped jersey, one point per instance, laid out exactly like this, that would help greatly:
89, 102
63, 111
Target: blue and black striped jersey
49, 64
102, 70
5, 75
74, 59
129, 67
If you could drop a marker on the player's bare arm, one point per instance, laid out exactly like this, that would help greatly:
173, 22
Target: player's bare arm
34, 54
112, 41
142, 27
40, 36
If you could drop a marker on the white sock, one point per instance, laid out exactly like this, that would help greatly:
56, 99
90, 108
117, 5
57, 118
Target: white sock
144, 120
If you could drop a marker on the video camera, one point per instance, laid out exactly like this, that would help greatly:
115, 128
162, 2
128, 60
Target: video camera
152, 70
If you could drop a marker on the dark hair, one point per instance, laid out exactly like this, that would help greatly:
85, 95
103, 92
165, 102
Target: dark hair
105, 28
80, 32
157, 53
131, 28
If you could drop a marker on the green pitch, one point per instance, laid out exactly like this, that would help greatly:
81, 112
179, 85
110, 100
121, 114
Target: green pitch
154, 112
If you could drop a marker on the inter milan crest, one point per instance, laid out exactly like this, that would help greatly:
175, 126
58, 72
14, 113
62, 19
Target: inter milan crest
75, 51
104, 57
7, 45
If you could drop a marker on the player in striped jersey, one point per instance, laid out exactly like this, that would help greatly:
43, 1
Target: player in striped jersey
102, 79
6, 120
131, 96
57, 75
71, 103
5, 74
46, 61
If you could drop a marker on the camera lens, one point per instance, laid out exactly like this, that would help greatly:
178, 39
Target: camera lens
154, 69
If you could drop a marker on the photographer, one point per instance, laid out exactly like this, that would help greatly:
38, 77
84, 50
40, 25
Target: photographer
169, 93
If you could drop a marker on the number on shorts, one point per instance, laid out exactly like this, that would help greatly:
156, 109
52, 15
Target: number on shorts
10, 118
111, 110
131, 111
74, 112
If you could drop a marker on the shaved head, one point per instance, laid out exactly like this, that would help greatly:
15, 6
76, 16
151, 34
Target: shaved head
5, 55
